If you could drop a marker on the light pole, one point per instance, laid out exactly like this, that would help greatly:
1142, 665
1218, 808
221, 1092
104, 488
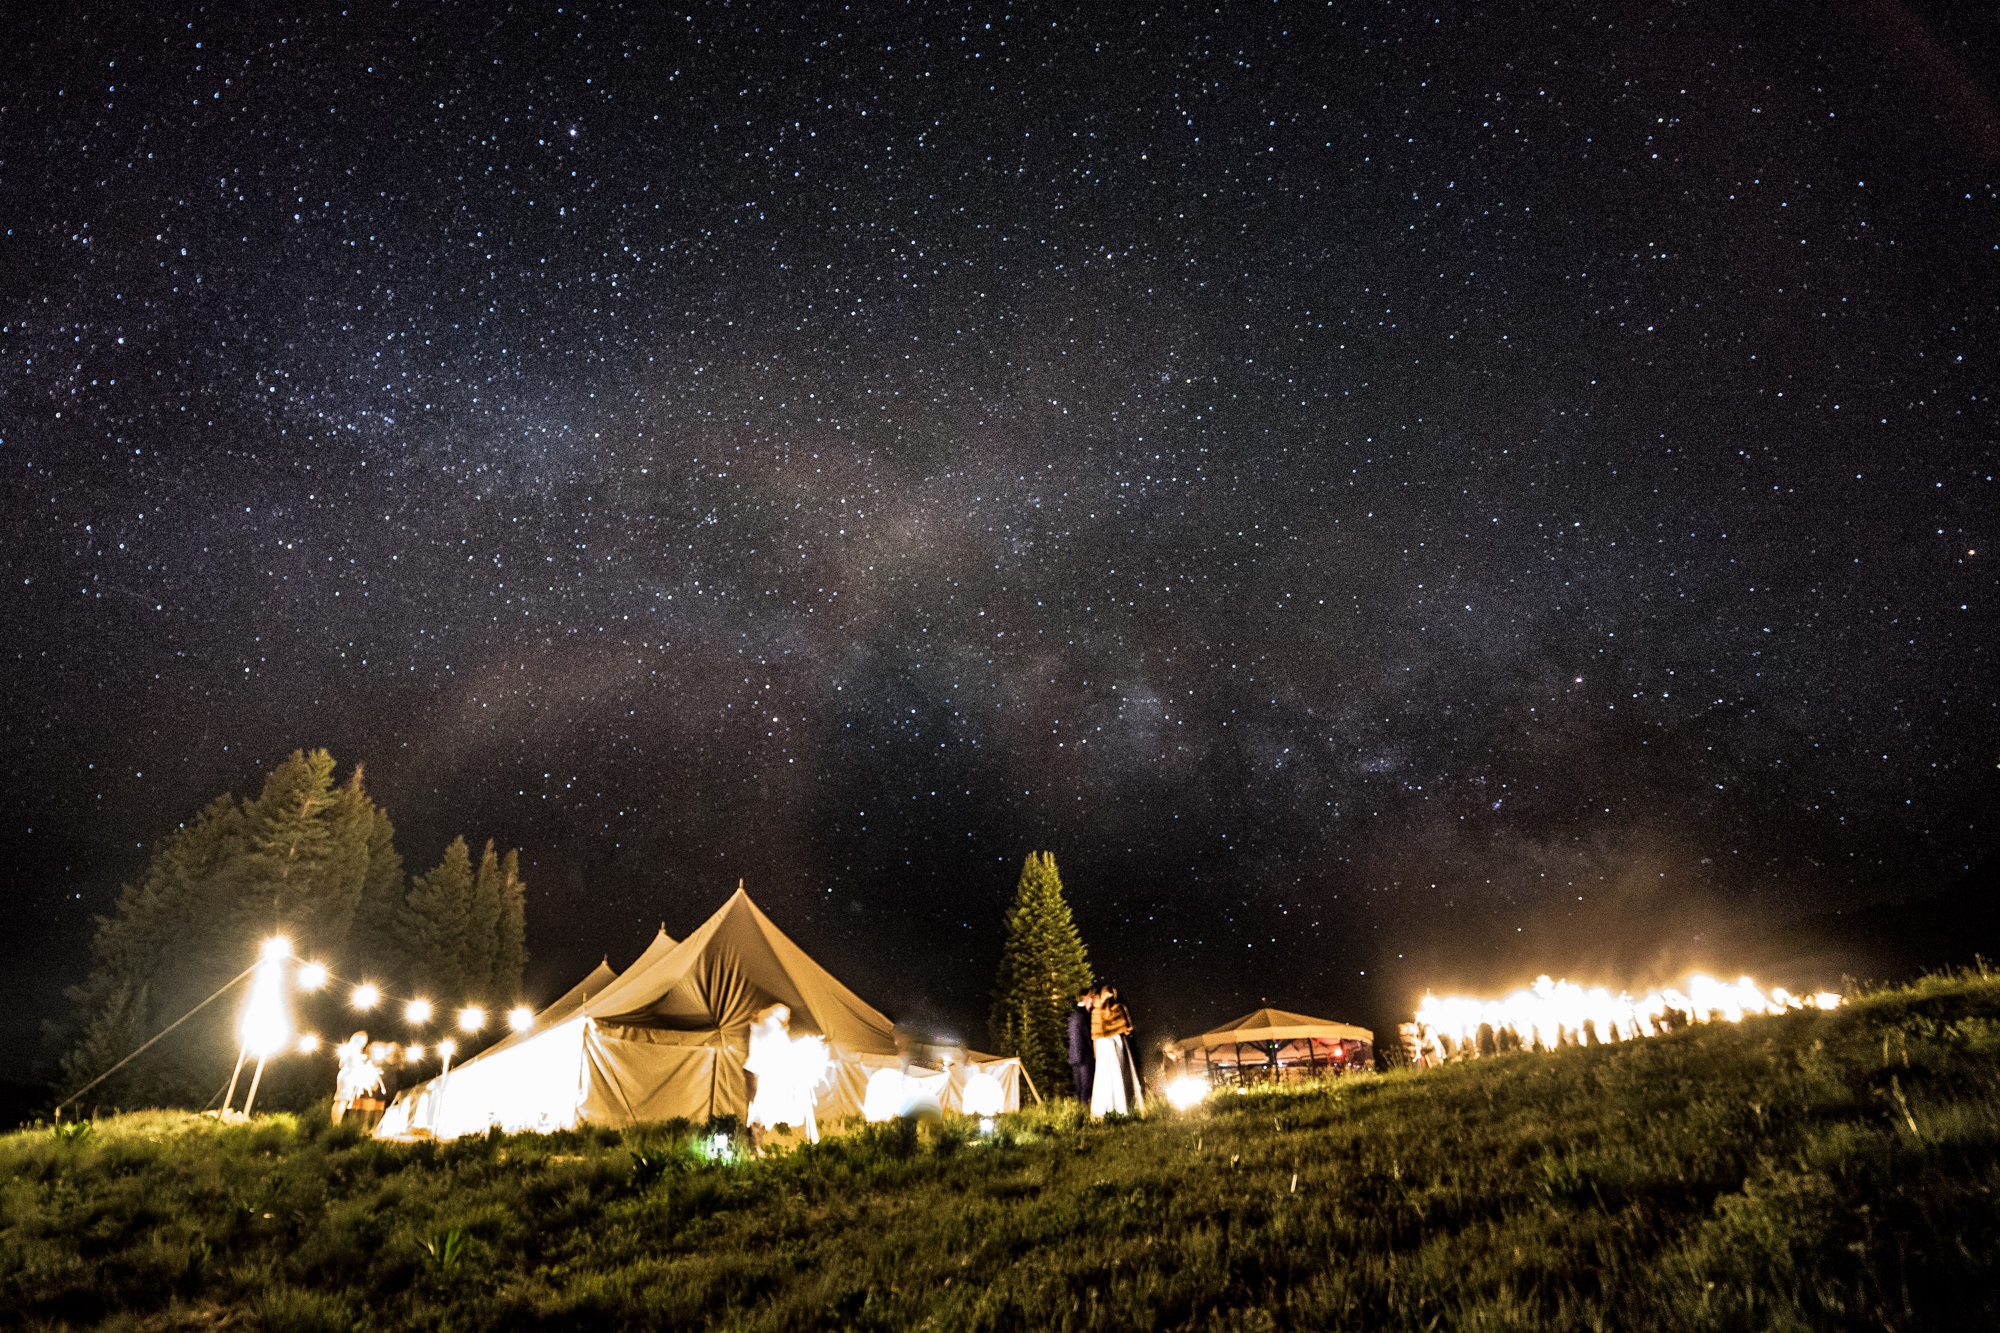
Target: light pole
266, 1025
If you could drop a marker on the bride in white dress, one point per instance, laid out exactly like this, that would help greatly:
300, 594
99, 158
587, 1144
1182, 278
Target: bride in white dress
1116, 1085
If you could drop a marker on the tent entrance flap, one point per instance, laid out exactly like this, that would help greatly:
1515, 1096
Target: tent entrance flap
627, 1081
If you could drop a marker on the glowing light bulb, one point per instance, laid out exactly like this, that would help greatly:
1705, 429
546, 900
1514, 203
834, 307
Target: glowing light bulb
1185, 1091
312, 976
447, 1048
520, 1018
277, 947
308, 1042
366, 996
418, 1011
984, 1097
471, 1018
413, 1052
266, 1025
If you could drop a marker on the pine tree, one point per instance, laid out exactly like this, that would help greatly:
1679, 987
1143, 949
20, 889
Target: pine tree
489, 904
1042, 967
293, 860
510, 943
308, 853
441, 929
375, 950
308, 858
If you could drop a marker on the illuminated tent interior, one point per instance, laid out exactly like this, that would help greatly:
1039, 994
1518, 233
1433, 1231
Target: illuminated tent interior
668, 1037
1275, 1044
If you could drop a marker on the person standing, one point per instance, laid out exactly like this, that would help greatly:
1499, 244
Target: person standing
785, 1074
1082, 1049
358, 1085
1115, 1086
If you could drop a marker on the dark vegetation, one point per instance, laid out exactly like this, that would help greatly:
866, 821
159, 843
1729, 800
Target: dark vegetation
1043, 965
1809, 1171
310, 858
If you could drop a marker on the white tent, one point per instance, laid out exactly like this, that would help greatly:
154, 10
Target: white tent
668, 1037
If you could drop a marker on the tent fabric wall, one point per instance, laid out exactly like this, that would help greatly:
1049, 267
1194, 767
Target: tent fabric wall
528, 1080
535, 1086
629, 1081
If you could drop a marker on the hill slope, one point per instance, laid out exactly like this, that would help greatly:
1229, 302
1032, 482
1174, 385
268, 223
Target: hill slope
1810, 1171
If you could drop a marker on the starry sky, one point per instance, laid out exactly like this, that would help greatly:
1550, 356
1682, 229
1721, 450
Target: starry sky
1388, 495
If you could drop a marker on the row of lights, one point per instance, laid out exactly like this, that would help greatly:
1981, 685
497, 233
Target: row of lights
367, 995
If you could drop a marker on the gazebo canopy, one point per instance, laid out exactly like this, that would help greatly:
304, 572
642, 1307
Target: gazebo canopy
1266, 1025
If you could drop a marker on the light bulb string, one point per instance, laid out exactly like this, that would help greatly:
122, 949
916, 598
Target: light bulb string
385, 995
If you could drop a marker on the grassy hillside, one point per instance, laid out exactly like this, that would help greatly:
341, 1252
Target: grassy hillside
1809, 1171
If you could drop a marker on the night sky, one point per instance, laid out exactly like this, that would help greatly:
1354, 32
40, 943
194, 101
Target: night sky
1389, 496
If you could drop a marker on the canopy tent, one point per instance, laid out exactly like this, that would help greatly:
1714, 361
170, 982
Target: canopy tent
527, 1081
1278, 1044
669, 1036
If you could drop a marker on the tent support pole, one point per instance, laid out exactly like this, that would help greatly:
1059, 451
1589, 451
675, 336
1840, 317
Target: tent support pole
1031, 1084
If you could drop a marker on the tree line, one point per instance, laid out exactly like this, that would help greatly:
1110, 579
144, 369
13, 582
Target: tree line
309, 857
314, 858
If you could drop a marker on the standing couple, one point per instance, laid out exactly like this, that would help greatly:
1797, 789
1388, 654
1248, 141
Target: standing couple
1100, 1053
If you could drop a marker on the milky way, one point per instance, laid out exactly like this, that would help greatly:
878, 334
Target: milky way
1350, 483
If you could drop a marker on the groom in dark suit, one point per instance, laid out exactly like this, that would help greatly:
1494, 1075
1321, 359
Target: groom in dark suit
1082, 1051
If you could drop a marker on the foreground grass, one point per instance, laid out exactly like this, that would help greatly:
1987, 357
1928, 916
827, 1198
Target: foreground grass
1804, 1172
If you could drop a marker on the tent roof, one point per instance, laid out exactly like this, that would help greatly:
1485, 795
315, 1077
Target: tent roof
1275, 1025
733, 964
573, 999
662, 945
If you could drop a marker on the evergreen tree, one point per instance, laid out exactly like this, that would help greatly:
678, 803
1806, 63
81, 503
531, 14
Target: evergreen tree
375, 949
308, 853
293, 860
443, 933
510, 943
310, 859
1042, 967
489, 898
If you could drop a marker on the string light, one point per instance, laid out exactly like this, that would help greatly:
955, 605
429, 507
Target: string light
417, 1011
413, 1052
471, 1018
266, 1026
520, 1018
366, 996
308, 1042
1551, 1013
447, 1048
312, 976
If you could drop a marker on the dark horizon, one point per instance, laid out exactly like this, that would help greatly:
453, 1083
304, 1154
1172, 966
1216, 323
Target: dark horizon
1389, 503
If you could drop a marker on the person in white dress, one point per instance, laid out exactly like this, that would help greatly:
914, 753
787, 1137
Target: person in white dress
358, 1085
1116, 1087
788, 1073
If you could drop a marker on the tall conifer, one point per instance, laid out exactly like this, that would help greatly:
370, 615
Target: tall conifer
441, 928
375, 950
1042, 967
309, 858
293, 860
510, 944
